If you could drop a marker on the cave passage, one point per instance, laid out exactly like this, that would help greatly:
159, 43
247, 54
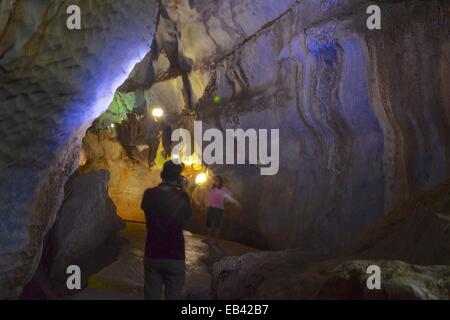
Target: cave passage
331, 137
131, 152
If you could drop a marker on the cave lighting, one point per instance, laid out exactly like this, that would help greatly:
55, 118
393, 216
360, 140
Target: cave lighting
218, 100
157, 112
201, 178
192, 161
176, 158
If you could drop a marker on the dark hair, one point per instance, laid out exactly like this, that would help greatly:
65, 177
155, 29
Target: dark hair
221, 182
171, 171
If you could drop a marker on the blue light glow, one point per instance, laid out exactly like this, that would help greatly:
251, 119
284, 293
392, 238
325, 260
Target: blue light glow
99, 86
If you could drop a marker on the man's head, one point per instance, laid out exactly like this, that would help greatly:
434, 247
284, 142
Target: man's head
171, 172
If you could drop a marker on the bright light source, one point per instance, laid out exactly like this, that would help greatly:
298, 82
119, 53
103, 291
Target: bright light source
191, 160
157, 112
112, 125
201, 178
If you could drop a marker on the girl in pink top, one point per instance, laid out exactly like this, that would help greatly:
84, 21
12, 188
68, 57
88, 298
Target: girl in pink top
216, 200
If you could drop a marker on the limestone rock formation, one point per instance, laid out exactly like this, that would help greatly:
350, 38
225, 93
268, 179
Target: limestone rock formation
410, 245
399, 281
130, 173
53, 83
416, 232
86, 220
363, 114
291, 275
241, 277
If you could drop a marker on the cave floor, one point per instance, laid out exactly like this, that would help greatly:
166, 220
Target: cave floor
123, 279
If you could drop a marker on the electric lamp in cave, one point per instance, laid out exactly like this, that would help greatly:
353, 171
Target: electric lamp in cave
175, 157
201, 178
157, 113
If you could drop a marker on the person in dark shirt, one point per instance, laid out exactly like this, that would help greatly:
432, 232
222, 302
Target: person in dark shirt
166, 209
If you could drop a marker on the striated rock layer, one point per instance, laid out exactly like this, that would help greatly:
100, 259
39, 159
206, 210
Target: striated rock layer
363, 114
363, 117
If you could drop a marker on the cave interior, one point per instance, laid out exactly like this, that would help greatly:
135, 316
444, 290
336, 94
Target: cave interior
359, 166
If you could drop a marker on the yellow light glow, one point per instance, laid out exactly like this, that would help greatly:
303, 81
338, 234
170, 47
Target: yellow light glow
201, 178
157, 112
192, 160
112, 125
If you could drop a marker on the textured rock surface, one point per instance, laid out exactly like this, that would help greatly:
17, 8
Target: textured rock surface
130, 176
241, 277
293, 275
399, 281
416, 232
363, 115
86, 220
53, 83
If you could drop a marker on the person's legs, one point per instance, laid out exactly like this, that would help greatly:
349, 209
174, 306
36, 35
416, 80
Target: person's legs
218, 213
174, 277
215, 235
152, 280
210, 225
210, 232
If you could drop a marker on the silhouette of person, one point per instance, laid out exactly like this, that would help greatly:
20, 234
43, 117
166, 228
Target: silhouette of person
166, 208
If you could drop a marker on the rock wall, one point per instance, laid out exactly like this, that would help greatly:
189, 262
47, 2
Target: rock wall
363, 115
130, 174
410, 244
401, 281
416, 232
86, 220
53, 83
